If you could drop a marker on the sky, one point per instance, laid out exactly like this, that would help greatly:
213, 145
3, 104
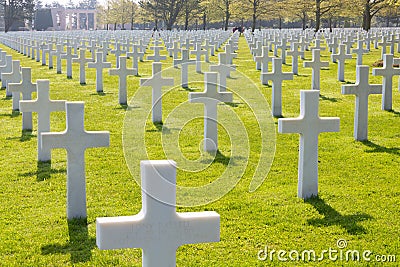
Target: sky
63, 2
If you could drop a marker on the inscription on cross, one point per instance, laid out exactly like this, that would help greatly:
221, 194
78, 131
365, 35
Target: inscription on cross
158, 229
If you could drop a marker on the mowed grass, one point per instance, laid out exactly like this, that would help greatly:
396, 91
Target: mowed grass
359, 182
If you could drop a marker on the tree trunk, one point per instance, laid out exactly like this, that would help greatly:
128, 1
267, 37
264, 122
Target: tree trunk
367, 17
187, 13
317, 15
227, 15
330, 25
204, 21
304, 21
253, 23
280, 23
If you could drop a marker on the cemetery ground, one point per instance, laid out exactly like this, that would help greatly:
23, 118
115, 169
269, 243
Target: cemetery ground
359, 185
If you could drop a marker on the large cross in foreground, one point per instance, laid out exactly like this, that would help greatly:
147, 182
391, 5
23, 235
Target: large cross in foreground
309, 125
158, 229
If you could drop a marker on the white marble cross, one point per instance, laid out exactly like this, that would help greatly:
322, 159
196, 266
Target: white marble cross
118, 51
277, 77
82, 60
49, 51
185, 61
156, 57
135, 55
210, 98
385, 43
44, 47
14, 76
362, 89
158, 229
387, 73
295, 53
223, 70
359, 51
156, 81
230, 55
341, 57
122, 72
68, 57
58, 53
309, 125
6, 68
99, 65
263, 59
43, 106
198, 52
316, 64
75, 139
26, 87
174, 50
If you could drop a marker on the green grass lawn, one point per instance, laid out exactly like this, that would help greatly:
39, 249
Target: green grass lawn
358, 181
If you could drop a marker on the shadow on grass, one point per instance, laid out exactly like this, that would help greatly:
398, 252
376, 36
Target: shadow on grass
159, 128
79, 246
101, 94
394, 112
43, 171
25, 136
189, 89
233, 105
327, 98
13, 114
381, 149
333, 217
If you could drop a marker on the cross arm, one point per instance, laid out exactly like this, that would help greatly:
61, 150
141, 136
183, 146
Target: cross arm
199, 227
120, 232
97, 139
329, 124
292, 125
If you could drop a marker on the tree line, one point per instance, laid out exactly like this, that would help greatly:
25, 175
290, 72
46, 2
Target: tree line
310, 13
203, 13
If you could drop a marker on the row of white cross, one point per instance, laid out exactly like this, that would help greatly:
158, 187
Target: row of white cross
158, 229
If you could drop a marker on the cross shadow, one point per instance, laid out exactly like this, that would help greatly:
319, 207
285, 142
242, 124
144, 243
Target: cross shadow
79, 246
159, 128
348, 82
83, 84
13, 114
380, 149
6, 97
124, 107
26, 135
333, 217
43, 171
331, 99
233, 105
396, 113
188, 89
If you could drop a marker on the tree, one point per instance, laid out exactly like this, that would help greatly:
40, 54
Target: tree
371, 8
87, 4
191, 8
252, 9
167, 10
300, 10
16, 11
322, 7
